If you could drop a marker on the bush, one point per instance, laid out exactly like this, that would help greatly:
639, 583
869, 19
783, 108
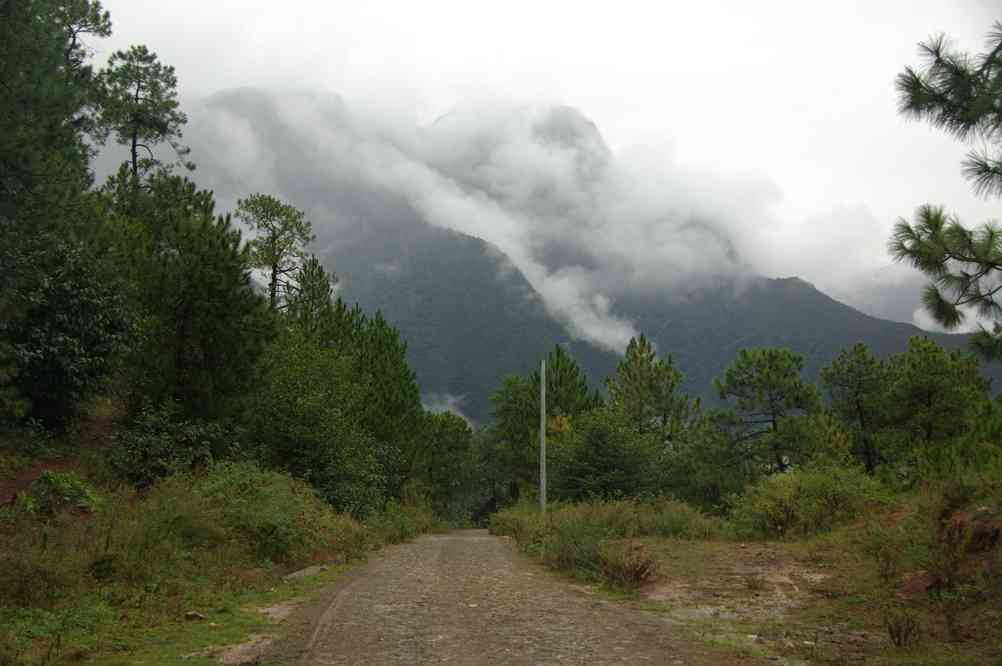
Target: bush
671, 518
279, 518
53, 492
398, 523
902, 626
803, 502
158, 444
199, 526
597, 540
626, 564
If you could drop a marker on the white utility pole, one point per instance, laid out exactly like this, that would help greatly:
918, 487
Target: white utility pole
542, 436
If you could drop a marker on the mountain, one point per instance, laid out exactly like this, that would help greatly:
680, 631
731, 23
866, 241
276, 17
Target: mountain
468, 315
470, 318
488, 237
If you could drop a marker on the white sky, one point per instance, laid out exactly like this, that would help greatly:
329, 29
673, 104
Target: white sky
797, 93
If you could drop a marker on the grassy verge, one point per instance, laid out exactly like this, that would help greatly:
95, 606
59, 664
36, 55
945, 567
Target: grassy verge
910, 578
600, 541
94, 573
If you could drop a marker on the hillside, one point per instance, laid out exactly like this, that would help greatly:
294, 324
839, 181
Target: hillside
467, 312
470, 318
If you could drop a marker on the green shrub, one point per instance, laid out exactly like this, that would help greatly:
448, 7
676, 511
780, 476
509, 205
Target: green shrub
53, 492
671, 518
401, 522
197, 526
596, 540
279, 518
159, 443
803, 502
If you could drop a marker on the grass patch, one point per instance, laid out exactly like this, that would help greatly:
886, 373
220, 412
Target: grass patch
114, 583
599, 541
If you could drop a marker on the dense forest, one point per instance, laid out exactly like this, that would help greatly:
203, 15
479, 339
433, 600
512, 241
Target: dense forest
223, 404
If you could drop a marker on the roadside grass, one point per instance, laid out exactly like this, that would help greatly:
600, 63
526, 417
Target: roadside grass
90, 629
860, 589
91, 570
602, 541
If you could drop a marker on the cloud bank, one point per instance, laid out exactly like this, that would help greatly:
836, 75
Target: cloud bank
584, 225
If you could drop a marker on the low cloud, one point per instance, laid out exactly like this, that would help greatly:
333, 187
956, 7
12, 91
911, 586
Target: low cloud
446, 402
584, 225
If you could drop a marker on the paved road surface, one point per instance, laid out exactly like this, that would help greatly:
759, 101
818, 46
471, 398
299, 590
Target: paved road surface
470, 598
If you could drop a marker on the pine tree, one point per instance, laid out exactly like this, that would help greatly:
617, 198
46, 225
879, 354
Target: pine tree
645, 392
311, 304
933, 393
766, 387
46, 107
279, 247
567, 392
202, 324
962, 95
857, 383
139, 106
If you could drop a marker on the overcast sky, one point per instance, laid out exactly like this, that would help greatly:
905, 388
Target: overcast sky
795, 96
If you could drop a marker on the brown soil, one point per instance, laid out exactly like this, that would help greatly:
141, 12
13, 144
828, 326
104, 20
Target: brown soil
470, 598
22, 480
94, 433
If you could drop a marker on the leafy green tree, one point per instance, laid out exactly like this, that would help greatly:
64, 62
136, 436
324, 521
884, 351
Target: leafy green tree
857, 384
766, 387
305, 413
932, 393
139, 106
516, 413
444, 461
55, 345
516, 417
961, 94
645, 391
71, 329
392, 408
704, 465
279, 247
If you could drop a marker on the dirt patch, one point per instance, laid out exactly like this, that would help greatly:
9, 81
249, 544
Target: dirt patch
10, 488
280, 612
249, 652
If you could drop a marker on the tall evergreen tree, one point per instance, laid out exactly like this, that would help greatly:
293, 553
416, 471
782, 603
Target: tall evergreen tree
645, 392
766, 387
139, 106
960, 94
311, 304
933, 393
279, 247
46, 107
857, 384
567, 392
